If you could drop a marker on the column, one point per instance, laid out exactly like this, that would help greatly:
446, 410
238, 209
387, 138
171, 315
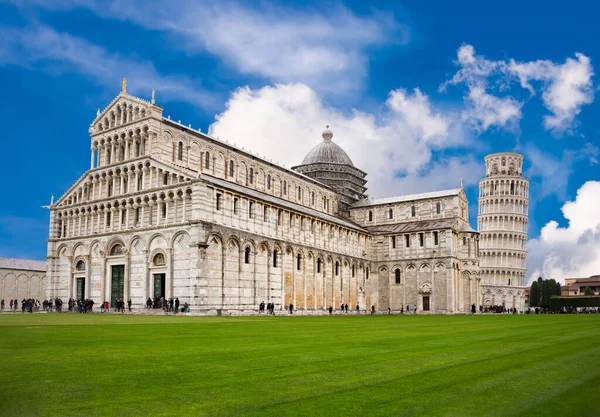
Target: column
144, 170
122, 184
127, 156
137, 175
184, 206
92, 159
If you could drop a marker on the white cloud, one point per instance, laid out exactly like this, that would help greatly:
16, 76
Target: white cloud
41, 47
574, 250
325, 48
283, 122
483, 109
565, 89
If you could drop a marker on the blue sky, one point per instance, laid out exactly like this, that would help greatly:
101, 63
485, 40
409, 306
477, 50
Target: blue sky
416, 92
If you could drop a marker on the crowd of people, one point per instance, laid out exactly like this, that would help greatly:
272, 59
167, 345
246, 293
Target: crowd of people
564, 310
173, 305
167, 305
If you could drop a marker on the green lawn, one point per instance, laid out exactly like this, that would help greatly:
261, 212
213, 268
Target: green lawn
99, 365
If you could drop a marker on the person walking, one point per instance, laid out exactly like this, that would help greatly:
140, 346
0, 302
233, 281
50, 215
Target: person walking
129, 305
330, 310
346, 308
291, 309
357, 309
415, 308
176, 305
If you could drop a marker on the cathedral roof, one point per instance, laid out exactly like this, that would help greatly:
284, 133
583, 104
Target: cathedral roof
22, 264
408, 197
327, 152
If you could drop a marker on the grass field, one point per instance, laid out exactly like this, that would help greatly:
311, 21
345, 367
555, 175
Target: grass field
101, 365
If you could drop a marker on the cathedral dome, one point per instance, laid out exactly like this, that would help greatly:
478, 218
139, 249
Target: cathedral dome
327, 152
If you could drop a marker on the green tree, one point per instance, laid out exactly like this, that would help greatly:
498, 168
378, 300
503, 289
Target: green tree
588, 291
534, 294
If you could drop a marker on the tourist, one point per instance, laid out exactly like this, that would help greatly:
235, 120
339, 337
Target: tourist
415, 308
473, 308
389, 310
357, 309
2, 305
176, 304
372, 310
330, 310
342, 307
11, 304
346, 308
291, 309
129, 305
149, 303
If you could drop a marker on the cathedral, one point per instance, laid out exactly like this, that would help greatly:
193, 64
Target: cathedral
166, 211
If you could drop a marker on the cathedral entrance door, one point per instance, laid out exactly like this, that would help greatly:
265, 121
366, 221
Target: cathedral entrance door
425, 303
80, 294
159, 285
117, 287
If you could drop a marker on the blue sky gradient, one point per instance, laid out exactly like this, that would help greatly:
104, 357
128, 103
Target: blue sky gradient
299, 65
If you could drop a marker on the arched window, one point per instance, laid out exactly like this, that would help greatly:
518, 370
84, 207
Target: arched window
251, 176
319, 262
312, 198
159, 259
337, 268
353, 270
370, 215
231, 166
80, 266
207, 160
367, 273
299, 262
397, 273
438, 208
284, 187
180, 151
413, 211
269, 182
275, 260
299, 193
116, 250
390, 214
247, 255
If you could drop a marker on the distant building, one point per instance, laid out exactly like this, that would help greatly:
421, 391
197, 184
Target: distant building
22, 278
577, 286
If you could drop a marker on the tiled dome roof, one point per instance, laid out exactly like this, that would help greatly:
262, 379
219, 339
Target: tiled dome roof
327, 152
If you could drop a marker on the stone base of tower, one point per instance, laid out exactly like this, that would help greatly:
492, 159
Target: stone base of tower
503, 295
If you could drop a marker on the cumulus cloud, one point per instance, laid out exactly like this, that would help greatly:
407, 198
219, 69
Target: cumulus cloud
565, 89
41, 47
283, 122
325, 48
574, 250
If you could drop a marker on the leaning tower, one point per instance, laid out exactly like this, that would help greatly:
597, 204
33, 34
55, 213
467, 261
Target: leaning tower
502, 223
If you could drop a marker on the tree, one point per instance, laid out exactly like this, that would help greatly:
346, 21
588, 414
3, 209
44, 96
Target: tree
588, 291
534, 294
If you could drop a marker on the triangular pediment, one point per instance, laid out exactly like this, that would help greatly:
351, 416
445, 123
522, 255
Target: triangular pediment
122, 110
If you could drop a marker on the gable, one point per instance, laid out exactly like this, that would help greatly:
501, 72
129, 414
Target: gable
124, 109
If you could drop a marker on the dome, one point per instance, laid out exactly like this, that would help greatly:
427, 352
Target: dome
327, 152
